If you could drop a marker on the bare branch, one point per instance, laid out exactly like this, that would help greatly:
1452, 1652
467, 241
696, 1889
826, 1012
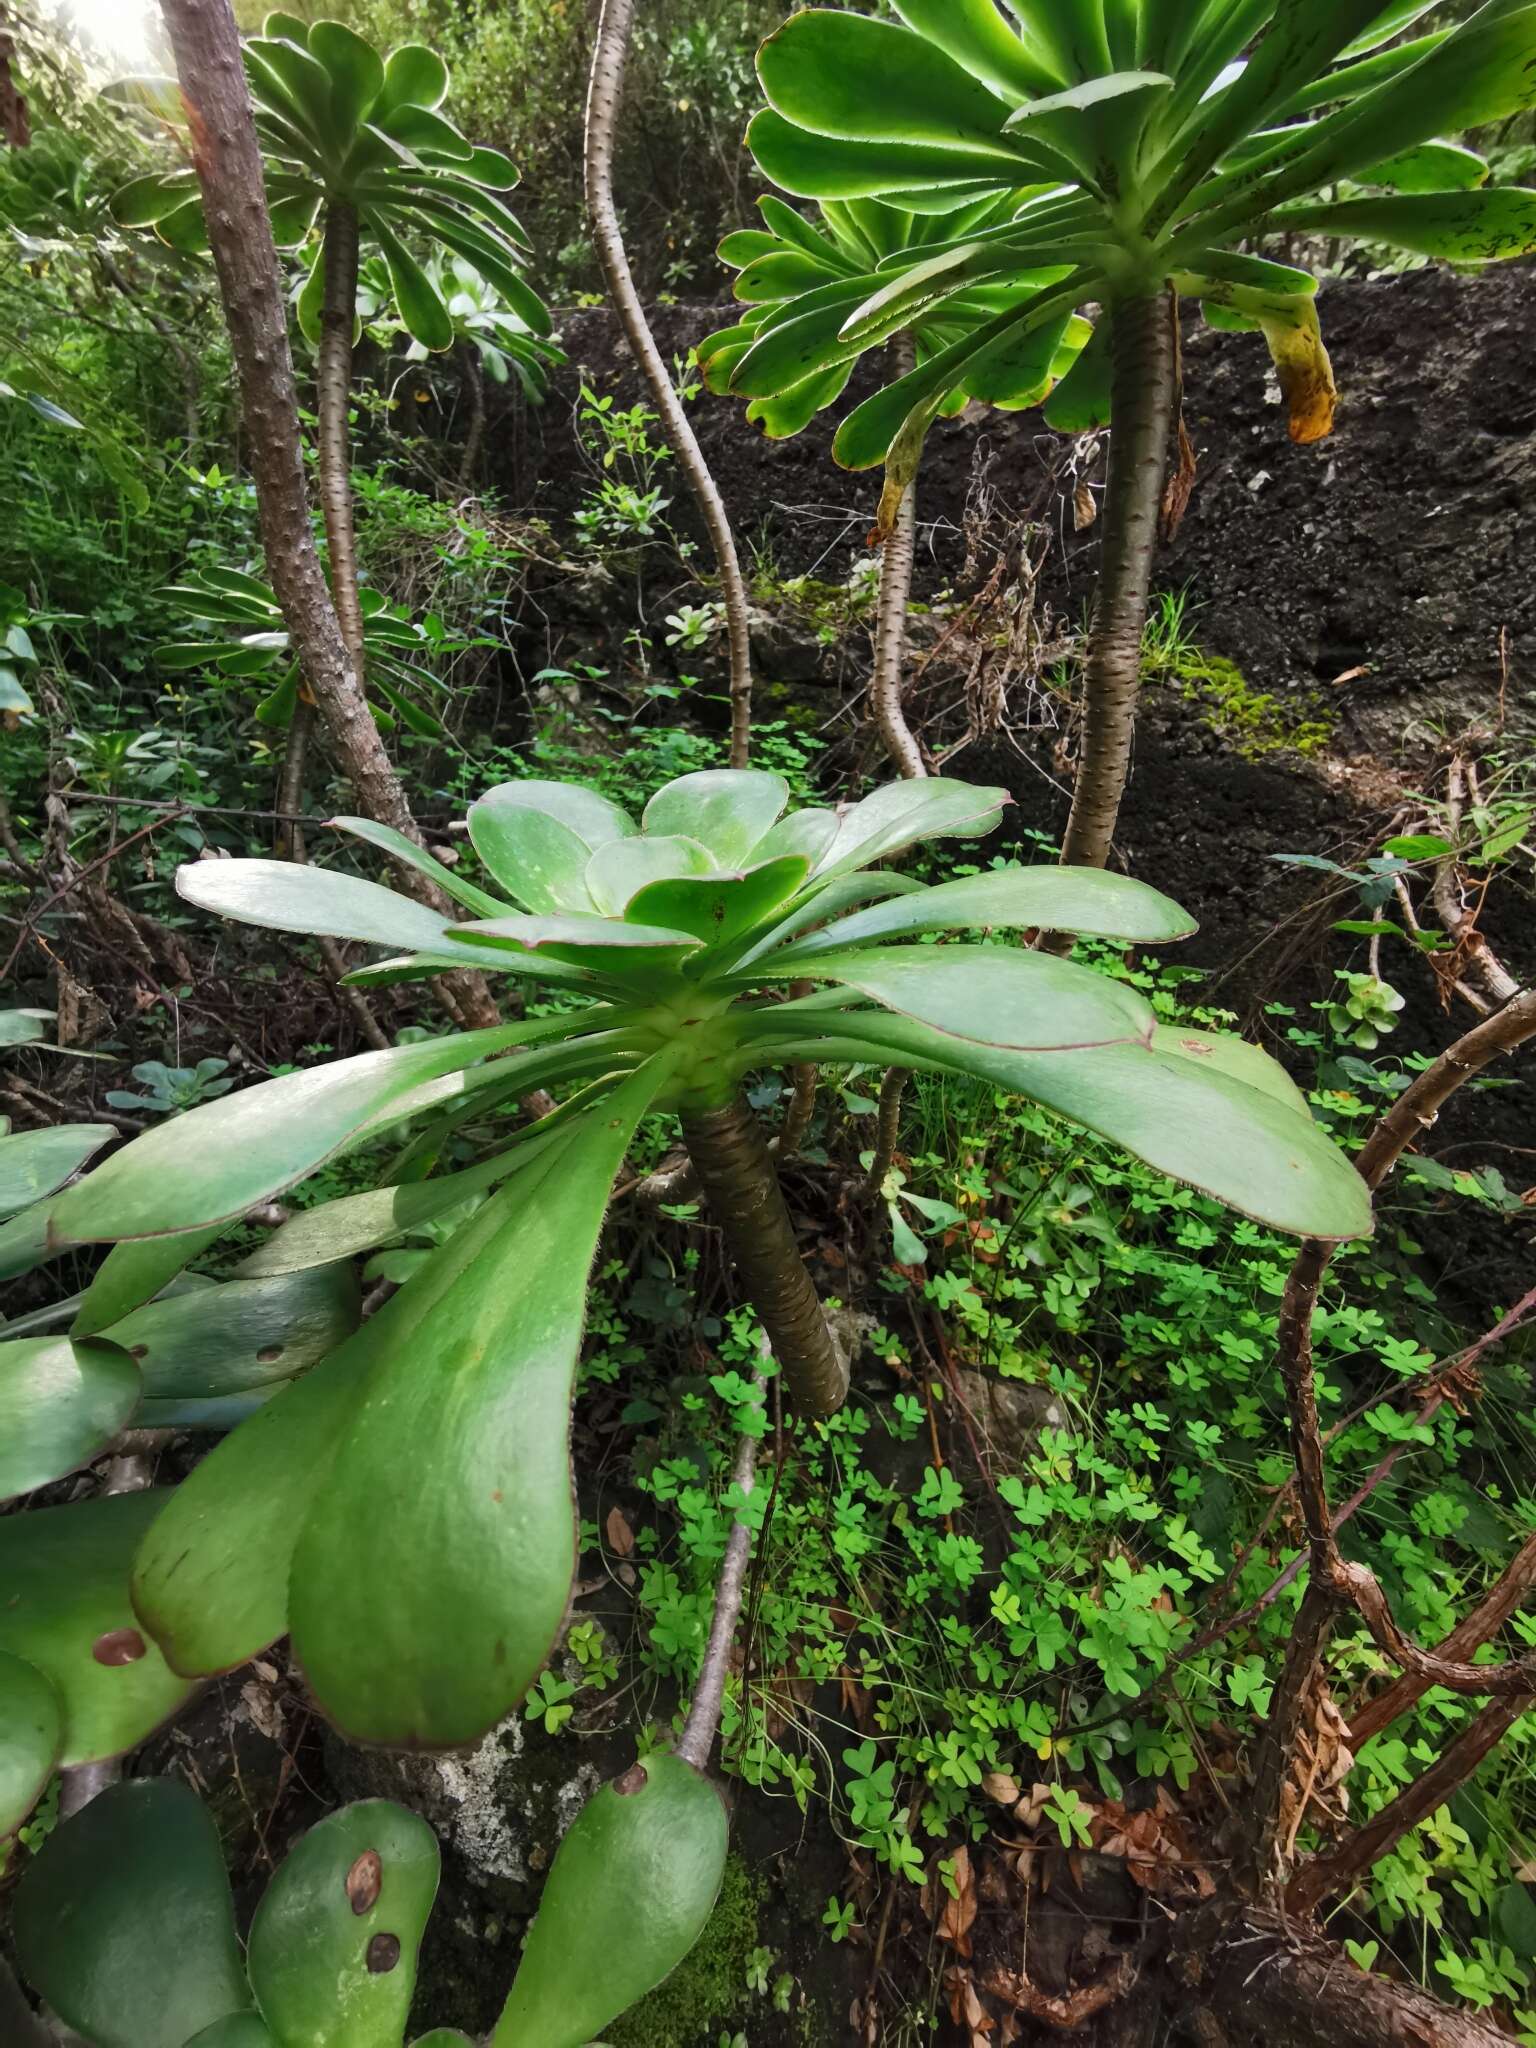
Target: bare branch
609, 58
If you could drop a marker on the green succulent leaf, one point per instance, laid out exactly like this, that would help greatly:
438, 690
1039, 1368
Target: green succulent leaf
236, 2030
720, 909
289, 896
1182, 1114
429, 1635
1088, 900
60, 1404
994, 995
31, 1739
537, 837
124, 1922
232, 1336
902, 814
222, 1158
66, 1611
1485, 226
34, 1163
628, 1895
728, 810
846, 75
332, 1955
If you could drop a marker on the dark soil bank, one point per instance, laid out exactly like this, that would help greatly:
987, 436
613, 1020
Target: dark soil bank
1401, 545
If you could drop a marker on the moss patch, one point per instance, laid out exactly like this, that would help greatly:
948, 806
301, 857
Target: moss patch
1252, 720
710, 1987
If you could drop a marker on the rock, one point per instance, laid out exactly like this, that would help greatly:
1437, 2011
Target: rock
787, 650
1008, 1416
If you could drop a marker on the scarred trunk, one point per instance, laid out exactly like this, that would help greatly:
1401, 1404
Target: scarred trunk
737, 1174
1141, 413
227, 158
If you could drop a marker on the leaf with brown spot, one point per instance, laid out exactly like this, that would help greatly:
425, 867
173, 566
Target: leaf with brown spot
364, 1880
333, 1946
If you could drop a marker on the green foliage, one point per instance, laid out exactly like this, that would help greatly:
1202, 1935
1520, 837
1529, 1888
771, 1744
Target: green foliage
138, 1875
668, 935
1124, 154
519, 71
342, 126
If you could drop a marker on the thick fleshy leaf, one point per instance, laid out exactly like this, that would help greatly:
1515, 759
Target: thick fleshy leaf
65, 1609
632, 1885
360, 1223
60, 1403
1088, 900
229, 1337
903, 814
974, 34
124, 1923
288, 896
222, 1158
1481, 72
31, 1737
1485, 226
726, 809
848, 76
1182, 1115
722, 908
34, 1163
1430, 167
603, 945
832, 167
996, 995
425, 317
24, 1242
332, 1956
210, 1580
425, 1630
395, 843
1235, 1058
414, 76
619, 871
356, 68
134, 1273
239, 2030
537, 837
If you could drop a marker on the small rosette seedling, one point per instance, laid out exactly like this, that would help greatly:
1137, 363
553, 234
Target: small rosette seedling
677, 940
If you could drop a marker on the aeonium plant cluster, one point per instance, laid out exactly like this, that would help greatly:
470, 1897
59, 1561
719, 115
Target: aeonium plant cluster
682, 945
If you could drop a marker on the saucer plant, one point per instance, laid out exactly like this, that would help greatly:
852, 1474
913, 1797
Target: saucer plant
1139, 149
404, 1509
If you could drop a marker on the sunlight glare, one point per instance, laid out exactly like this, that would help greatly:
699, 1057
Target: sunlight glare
123, 33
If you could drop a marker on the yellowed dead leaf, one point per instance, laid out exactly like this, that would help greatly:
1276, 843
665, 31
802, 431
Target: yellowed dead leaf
1301, 363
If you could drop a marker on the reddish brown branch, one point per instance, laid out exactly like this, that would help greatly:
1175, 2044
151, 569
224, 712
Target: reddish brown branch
1342, 1867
